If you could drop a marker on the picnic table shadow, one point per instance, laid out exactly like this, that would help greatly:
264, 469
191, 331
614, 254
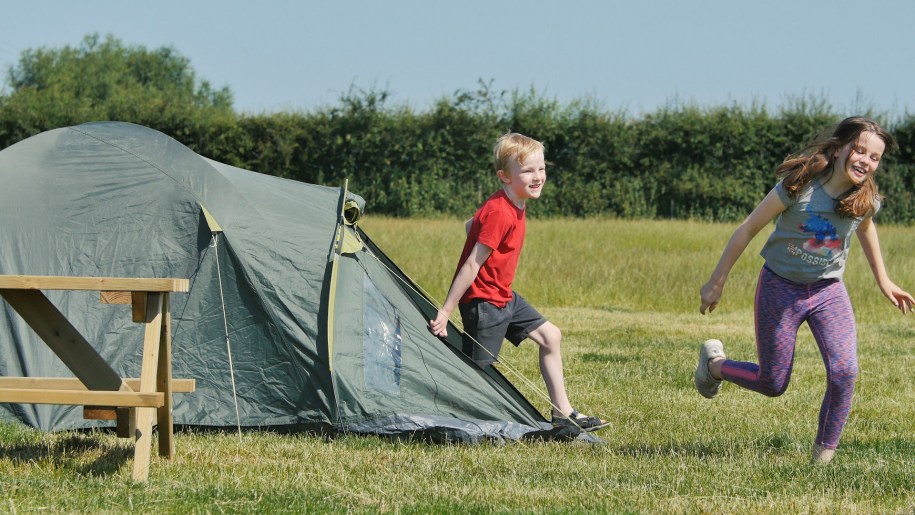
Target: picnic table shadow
87, 452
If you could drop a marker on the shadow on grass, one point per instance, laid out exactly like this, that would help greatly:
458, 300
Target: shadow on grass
770, 443
606, 357
898, 446
83, 453
697, 450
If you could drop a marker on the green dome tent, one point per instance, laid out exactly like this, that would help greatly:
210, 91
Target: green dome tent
321, 329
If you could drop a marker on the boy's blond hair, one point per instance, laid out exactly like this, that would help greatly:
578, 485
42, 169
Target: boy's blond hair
512, 145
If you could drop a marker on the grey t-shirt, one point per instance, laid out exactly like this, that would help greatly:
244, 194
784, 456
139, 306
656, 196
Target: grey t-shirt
810, 241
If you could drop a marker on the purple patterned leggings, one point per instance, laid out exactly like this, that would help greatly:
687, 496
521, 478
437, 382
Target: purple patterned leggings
781, 307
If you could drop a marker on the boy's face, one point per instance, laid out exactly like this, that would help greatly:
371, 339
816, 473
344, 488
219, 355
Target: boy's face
524, 180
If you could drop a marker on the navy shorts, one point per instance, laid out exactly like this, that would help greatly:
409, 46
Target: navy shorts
485, 326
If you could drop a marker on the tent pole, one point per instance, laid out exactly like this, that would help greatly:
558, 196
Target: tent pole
333, 260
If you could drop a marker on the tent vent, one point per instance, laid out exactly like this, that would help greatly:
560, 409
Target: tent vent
211, 221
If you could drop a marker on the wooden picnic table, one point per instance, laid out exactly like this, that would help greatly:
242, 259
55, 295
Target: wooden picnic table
97, 387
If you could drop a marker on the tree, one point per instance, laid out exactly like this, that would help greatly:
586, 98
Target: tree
103, 79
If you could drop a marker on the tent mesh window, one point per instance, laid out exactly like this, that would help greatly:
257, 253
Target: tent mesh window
381, 341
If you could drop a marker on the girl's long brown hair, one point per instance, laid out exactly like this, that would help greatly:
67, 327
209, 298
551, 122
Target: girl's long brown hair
818, 157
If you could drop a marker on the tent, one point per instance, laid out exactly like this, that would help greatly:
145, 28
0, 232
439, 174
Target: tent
294, 318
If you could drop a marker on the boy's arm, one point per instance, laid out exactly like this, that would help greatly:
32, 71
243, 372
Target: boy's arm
462, 281
870, 244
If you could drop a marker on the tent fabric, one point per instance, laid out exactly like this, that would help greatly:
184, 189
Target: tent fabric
122, 200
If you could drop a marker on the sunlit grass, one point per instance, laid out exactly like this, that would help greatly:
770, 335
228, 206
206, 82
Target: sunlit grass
625, 295
637, 266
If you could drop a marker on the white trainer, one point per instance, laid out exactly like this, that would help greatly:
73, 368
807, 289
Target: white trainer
821, 455
707, 385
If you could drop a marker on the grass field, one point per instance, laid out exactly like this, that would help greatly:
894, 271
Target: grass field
625, 294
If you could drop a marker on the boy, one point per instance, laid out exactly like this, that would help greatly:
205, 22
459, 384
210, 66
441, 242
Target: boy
481, 287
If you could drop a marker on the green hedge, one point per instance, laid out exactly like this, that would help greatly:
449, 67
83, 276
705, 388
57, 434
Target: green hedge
710, 163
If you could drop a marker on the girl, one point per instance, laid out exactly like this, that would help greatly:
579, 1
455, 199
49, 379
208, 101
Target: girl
826, 192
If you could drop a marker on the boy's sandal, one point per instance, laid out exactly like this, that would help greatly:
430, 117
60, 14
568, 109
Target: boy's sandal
577, 420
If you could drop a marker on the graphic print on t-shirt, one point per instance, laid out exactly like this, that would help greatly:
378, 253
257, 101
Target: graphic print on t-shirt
825, 238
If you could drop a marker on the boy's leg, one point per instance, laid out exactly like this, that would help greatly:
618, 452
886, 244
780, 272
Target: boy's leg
527, 322
833, 328
548, 338
484, 330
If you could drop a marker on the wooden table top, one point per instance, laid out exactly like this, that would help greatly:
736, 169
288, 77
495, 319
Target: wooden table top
55, 282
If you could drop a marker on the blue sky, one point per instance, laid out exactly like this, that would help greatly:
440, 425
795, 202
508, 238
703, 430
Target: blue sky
632, 55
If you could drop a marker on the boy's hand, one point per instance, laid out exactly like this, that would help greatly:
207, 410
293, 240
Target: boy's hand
439, 326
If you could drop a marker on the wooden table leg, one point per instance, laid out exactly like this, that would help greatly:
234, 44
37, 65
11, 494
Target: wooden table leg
148, 371
164, 384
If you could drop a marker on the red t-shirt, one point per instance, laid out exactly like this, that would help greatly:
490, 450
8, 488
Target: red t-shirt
499, 225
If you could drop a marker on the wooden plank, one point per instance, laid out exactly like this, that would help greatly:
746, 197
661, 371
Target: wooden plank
138, 301
148, 370
93, 398
53, 282
126, 418
70, 346
127, 422
100, 413
165, 384
72, 383
114, 297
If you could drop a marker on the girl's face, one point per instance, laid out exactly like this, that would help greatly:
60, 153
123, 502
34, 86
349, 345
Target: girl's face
860, 158
525, 180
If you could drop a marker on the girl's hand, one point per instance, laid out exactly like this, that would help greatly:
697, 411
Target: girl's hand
899, 297
709, 296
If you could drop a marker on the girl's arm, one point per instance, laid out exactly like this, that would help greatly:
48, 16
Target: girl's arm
870, 244
769, 208
462, 281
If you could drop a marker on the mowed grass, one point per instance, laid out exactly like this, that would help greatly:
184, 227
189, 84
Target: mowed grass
625, 294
